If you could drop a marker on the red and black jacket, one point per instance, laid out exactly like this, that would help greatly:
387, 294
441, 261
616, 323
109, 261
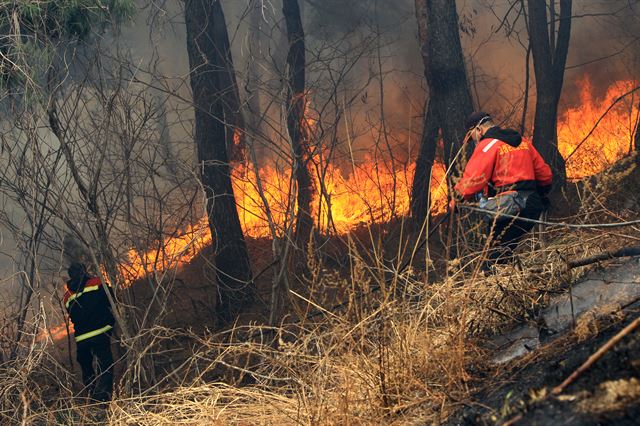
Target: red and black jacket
88, 307
503, 161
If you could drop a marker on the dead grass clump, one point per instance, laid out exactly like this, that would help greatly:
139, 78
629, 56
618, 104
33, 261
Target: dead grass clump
591, 323
611, 396
36, 389
363, 372
380, 357
513, 293
213, 403
398, 345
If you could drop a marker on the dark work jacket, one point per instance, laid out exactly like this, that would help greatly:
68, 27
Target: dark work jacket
88, 307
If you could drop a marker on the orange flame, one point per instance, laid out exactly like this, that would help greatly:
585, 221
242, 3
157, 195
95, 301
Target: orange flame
369, 194
57, 333
172, 251
372, 192
611, 140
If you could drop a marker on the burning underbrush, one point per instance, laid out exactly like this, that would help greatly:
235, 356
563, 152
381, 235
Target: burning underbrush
400, 345
592, 136
366, 340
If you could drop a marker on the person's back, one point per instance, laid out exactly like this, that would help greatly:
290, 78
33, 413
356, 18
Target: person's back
88, 308
90, 311
505, 163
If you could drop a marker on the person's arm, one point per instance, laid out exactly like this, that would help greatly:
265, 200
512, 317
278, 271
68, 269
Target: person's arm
478, 171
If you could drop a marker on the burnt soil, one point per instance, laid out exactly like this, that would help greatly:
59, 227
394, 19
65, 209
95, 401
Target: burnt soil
607, 393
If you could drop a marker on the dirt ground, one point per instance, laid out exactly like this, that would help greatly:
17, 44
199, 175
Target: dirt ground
607, 393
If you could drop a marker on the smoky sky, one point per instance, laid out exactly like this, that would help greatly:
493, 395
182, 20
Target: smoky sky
604, 43
339, 17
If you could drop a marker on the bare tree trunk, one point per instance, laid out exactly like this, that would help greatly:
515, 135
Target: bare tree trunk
549, 60
424, 165
252, 86
449, 96
27, 293
228, 85
233, 272
295, 120
525, 101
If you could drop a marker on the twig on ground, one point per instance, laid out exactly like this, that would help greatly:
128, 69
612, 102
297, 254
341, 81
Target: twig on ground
596, 356
611, 254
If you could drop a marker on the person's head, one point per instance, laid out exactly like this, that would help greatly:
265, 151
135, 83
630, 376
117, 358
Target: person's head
477, 125
77, 274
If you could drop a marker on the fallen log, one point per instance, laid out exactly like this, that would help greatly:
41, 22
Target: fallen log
611, 254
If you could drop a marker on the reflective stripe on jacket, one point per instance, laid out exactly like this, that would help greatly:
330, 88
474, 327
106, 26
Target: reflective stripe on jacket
89, 309
93, 333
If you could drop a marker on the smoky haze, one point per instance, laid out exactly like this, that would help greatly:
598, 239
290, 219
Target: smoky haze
604, 48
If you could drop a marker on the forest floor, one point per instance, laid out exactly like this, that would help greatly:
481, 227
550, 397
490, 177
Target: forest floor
518, 391
606, 393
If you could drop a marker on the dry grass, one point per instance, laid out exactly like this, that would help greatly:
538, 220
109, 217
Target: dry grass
612, 395
408, 351
592, 322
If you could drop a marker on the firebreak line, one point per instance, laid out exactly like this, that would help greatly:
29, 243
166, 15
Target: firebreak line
544, 222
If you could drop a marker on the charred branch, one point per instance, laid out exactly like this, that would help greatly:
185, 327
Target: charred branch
611, 254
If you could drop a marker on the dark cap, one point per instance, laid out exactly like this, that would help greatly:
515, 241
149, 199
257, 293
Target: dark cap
476, 118
77, 271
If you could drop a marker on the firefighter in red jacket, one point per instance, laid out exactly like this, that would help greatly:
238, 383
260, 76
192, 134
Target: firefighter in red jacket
90, 311
503, 161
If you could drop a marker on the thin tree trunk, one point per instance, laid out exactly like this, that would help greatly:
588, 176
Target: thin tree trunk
295, 120
252, 87
424, 164
636, 136
525, 102
450, 100
233, 272
228, 85
549, 60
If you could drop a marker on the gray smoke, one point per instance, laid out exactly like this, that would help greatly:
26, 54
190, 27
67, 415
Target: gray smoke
75, 250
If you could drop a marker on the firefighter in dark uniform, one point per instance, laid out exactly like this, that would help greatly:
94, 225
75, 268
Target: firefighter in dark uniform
90, 311
503, 162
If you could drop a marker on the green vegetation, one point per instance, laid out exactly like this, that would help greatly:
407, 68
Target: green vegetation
33, 30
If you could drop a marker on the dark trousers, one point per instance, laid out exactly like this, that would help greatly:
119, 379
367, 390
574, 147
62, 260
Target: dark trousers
506, 234
98, 384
